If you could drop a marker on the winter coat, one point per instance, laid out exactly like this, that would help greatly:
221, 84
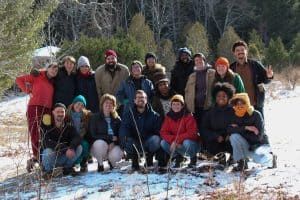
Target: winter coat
126, 92
185, 127
148, 123
215, 123
190, 90
180, 74
59, 140
98, 128
86, 87
259, 75
64, 87
105, 83
149, 72
84, 122
231, 78
40, 87
249, 120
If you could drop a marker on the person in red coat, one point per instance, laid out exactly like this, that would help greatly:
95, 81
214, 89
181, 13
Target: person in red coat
40, 89
179, 132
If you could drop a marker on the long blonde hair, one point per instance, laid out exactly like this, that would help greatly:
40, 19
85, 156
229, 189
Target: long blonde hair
112, 98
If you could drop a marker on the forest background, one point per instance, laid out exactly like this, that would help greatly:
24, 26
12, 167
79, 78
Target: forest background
134, 27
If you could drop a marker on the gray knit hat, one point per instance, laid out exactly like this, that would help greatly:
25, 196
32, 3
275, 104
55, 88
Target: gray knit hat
83, 61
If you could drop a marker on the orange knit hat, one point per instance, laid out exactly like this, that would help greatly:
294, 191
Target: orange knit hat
222, 61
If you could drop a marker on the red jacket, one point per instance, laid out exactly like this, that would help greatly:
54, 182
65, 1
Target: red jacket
188, 129
40, 88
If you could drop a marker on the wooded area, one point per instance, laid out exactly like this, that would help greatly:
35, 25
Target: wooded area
134, 27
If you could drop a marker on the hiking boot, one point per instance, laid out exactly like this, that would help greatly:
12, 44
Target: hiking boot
178, 161
135, 163
193, 162
83, 168
69, 171
31, 164
100, 168
241, 166
149, 160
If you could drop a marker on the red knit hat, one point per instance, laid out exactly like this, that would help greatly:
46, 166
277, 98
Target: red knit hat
110, 53
222, 61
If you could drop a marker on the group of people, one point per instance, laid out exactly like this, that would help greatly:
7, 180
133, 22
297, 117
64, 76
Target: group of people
119, 112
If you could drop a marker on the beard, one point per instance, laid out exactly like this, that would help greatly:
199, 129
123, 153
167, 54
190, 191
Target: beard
111, 66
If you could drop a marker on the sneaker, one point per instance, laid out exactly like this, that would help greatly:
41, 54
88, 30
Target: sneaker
241, 166
100, 168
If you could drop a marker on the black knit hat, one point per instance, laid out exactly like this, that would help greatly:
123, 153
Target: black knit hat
226, 87
61, 105
150, 55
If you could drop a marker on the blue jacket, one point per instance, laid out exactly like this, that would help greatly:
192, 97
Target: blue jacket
148, 123
86, 86
126, 92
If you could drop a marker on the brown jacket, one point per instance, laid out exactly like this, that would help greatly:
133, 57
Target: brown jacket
190, 90
105, 83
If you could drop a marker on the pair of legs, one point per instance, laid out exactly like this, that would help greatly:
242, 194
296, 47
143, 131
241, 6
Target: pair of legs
52, 159
262, 154
100, 150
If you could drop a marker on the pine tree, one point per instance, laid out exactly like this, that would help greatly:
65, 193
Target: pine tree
141, 31
197, 40
276, 54
20, 34
226, 42
256, 46
166, 54
295, 51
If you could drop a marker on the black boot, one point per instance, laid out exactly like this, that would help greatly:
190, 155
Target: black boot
100, 168
149, 159
84, 165
193, 162
242, 165
135, 163
178, 161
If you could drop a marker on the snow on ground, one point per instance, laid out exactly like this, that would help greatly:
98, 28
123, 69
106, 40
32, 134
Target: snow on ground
281, 114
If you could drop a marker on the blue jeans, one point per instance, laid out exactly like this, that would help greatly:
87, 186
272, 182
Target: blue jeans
151, 145
188, 147
51, 159
262, 154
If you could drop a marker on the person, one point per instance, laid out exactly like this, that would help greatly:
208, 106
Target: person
253, 74
181, 70
65, 82
225, 74
247, 134
109, 76
86, 85
78, 116
104, 133
139, 132
163, 93
217, 119
179, 133
198, 88
136, 81
40, 89
151, 66
60, 142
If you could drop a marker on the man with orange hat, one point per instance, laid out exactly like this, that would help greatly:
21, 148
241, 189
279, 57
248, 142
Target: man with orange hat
109, 75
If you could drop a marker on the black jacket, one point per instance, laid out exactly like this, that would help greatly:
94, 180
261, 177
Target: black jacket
98, 128
180, 74
259, 75
59, 140
64, 87
254, 120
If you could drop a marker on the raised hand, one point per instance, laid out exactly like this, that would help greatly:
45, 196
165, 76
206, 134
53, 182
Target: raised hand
269, 71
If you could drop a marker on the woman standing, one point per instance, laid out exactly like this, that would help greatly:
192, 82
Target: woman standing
104, 133
40, 88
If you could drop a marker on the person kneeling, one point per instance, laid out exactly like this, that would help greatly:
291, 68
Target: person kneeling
104, 132
247, 136
60, 142
179, 133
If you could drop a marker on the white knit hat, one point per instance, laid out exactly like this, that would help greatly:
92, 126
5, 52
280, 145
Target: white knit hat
83, 61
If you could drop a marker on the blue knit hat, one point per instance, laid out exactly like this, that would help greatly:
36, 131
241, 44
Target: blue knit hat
79, 98
184, 50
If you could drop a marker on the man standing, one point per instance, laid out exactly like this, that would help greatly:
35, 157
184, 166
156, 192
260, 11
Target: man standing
109, 76
181, 70
253, 74
140, 128
60, 142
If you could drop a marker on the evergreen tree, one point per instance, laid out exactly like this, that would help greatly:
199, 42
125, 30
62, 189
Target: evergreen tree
197, 40
276, 54
226, 42
295, 51
256, 46
20, 35
141, 31
166, 54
